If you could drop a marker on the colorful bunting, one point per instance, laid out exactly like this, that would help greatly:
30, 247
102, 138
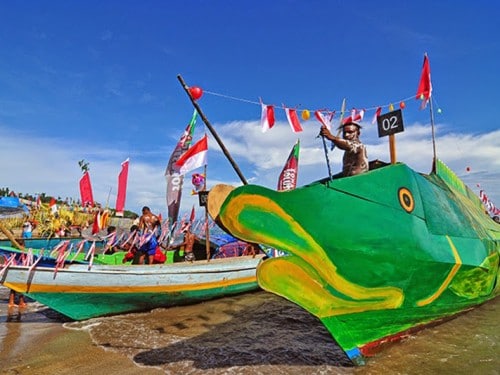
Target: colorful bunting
424, 92
488, 204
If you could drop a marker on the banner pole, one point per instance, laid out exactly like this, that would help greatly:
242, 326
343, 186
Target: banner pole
213, 132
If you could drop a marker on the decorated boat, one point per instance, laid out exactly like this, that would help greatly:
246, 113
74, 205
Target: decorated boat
374, 256
82, 292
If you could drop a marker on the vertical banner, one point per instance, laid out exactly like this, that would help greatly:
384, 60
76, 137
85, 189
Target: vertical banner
86, 190
288, 176
173, 177
122, 189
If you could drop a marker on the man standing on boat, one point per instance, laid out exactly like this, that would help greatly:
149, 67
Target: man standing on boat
148, 220
187, 243
355, 159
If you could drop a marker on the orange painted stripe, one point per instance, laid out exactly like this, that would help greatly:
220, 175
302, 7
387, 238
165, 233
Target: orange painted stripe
49, 288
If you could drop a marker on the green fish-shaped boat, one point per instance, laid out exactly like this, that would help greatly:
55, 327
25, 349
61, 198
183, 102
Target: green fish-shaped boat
374, 256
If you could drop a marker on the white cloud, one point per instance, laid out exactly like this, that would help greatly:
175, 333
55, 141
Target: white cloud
50, 164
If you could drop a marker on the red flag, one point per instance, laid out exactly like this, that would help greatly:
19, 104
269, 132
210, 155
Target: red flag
267, 117
194, 157
424, 90
122, 188
288, 176
193, 215
86, 190
293, 119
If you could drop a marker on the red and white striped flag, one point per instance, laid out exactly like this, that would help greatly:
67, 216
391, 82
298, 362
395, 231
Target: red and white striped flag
267, 117
355, 116
53, 206
324, 120
377, 114
293, 119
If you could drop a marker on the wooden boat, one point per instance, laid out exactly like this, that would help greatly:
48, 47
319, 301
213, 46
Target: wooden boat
374, 256
81, 292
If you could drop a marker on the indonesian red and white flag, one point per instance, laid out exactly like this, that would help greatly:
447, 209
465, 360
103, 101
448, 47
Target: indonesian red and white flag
424, 90
325, 120
53, 206
194, 157
354, 117
377, 114
293, 119
267, 117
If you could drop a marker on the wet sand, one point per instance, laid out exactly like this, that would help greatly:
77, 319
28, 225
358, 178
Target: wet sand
255, 333
32, 344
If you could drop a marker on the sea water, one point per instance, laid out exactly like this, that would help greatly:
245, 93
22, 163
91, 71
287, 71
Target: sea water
260, 333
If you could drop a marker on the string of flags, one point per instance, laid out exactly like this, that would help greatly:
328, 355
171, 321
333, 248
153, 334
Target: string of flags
488, 203
325, 116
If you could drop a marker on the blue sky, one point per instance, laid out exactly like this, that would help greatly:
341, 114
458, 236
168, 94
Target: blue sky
97, 80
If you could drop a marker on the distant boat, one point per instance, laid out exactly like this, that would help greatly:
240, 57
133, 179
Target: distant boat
12, 206
82, 292
374, 256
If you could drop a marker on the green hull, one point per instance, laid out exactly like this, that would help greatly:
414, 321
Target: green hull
372, 256
80, 292
81, 306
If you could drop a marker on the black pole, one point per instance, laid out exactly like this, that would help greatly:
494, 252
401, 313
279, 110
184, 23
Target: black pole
213, 132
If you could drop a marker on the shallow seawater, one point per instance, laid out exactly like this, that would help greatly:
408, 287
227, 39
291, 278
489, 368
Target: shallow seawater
260, 333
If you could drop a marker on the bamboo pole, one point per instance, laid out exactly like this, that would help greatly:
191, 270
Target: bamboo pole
431, 112
207, 231
392, 148
11, 237
213, 132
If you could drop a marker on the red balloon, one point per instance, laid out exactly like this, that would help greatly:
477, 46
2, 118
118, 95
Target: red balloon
402, 105
195, 92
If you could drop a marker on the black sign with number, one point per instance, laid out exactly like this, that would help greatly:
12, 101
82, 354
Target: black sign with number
203, 198
390, 123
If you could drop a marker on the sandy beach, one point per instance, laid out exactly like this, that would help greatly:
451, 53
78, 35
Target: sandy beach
31, 344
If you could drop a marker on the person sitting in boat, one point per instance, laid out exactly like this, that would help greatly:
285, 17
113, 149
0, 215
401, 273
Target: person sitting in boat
130, 247
355, 159
111, 247
27, 229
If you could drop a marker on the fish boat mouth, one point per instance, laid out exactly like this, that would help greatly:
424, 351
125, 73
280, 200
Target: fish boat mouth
252, 216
